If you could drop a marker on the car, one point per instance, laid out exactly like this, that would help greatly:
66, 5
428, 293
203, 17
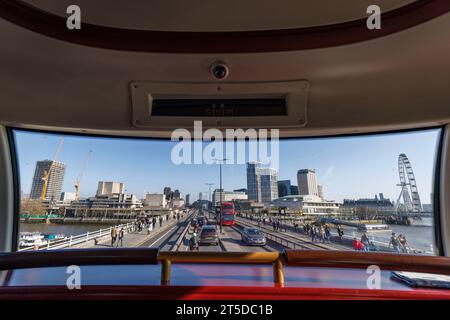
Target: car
209, 235
201, 220
211, 223
253, 236
194, 222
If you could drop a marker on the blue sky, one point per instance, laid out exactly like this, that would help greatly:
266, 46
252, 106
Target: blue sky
347, 167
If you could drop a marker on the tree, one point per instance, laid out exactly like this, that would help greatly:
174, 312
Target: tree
33, 207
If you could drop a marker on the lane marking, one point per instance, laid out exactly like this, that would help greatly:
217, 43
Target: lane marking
162, 236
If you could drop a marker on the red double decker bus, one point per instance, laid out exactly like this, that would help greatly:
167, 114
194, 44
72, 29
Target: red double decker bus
228, 213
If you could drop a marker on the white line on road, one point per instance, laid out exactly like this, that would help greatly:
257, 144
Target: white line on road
162, 236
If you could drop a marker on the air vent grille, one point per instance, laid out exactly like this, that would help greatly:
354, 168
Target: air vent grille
218, 107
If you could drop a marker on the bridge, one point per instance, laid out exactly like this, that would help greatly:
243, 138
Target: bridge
174, 235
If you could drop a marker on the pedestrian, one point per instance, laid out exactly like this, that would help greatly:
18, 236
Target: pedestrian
120, 240
160, 221
274, 224
340, 232
113, 235
327, 234
403, 243
394, 242
313, 235
365, 241
278, 225
357, 245
322, 234
295, 226
193, 242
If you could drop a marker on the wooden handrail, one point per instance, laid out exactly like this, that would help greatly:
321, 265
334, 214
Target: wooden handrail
274, 258
357, 259
219, 257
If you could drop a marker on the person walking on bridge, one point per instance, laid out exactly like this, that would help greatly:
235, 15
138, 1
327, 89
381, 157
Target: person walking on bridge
365, 240
313, 234
160, 221
327, 234
149, 228
340, 232
394, 242
113, 235
120, 238
193, 242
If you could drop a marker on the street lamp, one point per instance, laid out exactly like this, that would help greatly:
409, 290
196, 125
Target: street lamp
221, 191
209, 196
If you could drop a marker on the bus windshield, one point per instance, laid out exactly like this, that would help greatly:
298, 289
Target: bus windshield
366, 192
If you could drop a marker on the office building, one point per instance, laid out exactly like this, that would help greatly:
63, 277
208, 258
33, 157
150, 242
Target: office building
54, 183
307, 204
307, 182
269, 185
218, 195
284, 188
109, 187
66, 197
168, 193
294, 190
254, 181
262, 183
155, 200
320, 191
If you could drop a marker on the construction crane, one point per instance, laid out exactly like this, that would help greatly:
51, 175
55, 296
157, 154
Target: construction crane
46, 175
78, 180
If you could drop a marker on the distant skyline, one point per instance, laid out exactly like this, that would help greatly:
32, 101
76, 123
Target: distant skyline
347, 167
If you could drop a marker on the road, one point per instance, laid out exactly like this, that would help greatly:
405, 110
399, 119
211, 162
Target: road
230, 240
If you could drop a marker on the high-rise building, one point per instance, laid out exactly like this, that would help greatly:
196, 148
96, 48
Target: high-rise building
254, 181
284, 188
320, 191
54, 182
110, 187
294, 190
269, 185
187, 198
200, 196
307, 182
176, 195
168, 193
262, 183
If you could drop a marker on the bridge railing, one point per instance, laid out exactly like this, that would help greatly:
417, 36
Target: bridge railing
78, 239
384, 246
